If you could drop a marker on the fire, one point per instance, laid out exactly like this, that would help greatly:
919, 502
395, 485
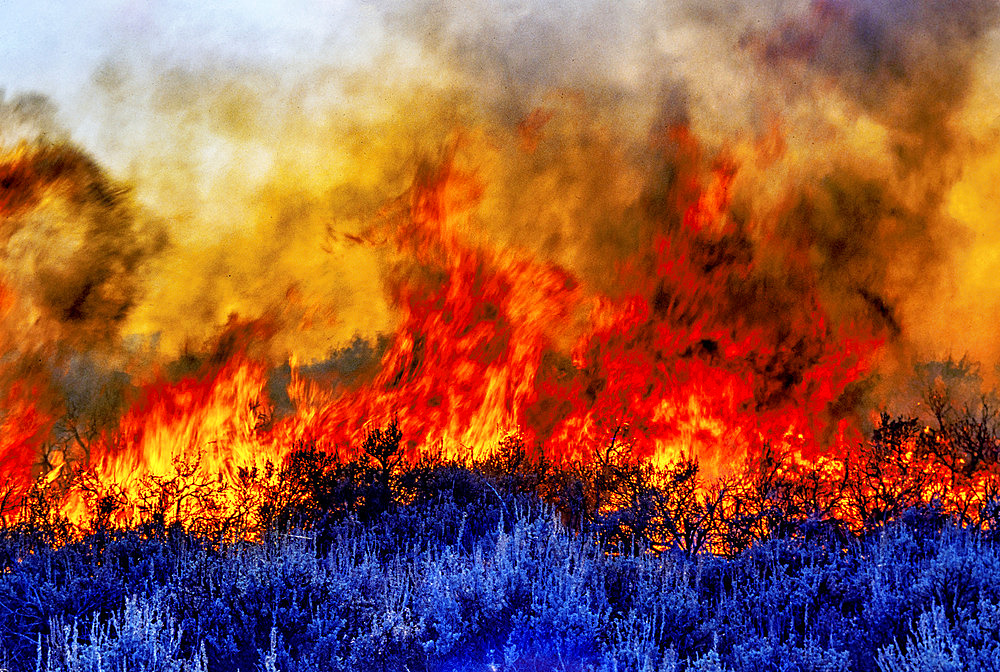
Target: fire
702, 353
26, 418
559, 265
476, 354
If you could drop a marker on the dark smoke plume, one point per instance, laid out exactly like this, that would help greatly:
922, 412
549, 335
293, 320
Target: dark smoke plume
908, 63
72, 242
877, 226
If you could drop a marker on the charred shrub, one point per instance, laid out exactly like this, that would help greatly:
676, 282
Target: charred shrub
889, 474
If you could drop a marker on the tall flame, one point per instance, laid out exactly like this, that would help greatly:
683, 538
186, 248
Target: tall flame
518, 244
703, 353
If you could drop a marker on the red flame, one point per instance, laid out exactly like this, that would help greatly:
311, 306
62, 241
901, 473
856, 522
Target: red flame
708, 350
698, 356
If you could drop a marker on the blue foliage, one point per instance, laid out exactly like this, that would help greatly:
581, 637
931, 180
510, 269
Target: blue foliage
523, 594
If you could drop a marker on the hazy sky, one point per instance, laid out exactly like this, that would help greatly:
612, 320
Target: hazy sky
54, 46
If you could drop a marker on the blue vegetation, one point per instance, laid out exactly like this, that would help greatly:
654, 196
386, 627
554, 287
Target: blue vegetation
521, 565
524, 594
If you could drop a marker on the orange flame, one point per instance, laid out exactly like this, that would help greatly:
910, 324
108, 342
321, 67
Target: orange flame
702, 353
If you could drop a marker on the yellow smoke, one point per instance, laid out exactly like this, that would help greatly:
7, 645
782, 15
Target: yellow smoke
861, 130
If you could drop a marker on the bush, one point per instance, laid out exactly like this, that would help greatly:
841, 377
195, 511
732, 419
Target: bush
521, 564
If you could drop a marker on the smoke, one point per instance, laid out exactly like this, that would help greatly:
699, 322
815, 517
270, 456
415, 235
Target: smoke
848, 120
909, 65
28, 118
881, 92
275, 180
72, 244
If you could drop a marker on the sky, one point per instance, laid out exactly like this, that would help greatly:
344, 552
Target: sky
58, 48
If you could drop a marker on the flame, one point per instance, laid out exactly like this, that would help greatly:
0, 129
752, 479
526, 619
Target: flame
26, 419
564, 261
701, 352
